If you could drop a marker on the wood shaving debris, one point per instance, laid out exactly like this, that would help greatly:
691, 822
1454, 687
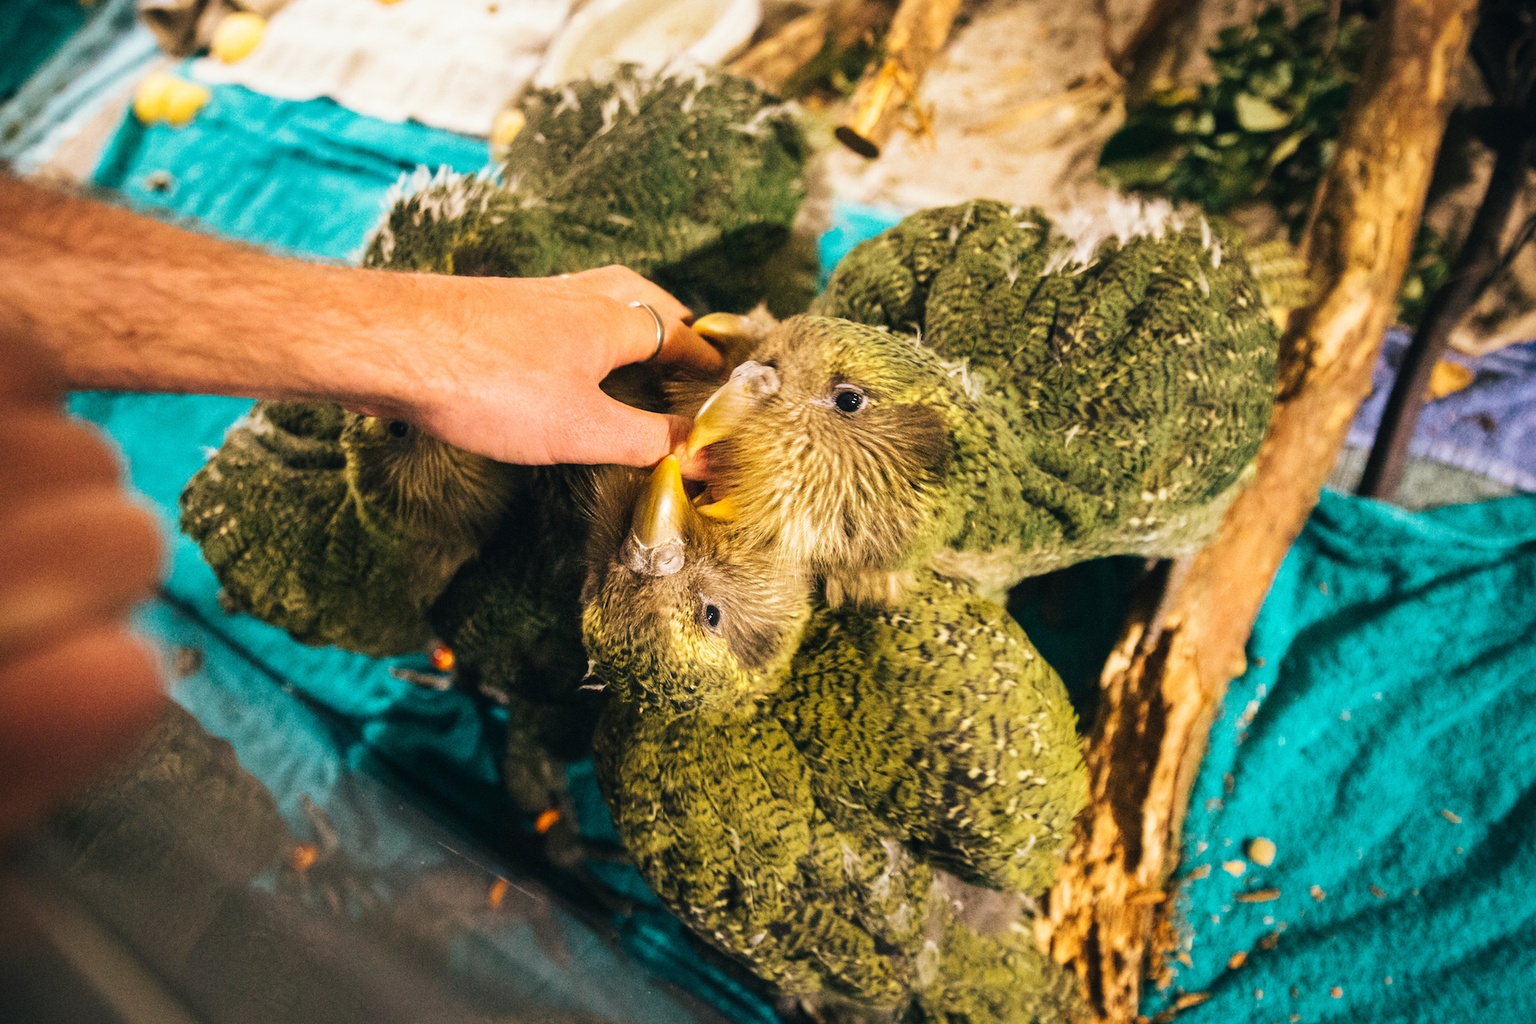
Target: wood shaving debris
1450, 816
1189, 999
1258, 896
1235, 868
1203, 871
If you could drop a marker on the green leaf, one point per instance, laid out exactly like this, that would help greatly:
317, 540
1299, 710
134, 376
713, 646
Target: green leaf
1257, 115
1287, 146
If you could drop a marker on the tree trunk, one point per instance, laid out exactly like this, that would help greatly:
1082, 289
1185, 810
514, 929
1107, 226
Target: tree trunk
1158, 703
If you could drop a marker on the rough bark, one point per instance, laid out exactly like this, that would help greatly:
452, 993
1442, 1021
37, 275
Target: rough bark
917, 35
774, 62
1160, 698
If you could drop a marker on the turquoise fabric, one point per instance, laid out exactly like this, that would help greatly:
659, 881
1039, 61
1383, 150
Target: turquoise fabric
30, 32
1384, 739
306, 178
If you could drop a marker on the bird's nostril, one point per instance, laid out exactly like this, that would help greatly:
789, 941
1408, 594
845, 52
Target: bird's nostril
759, 380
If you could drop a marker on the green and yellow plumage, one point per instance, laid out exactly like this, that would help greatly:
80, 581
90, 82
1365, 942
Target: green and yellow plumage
329, 525
1029, 396
779, 778
689, 176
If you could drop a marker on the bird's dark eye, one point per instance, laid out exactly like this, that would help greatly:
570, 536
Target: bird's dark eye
711, 615
848, 400
399, 428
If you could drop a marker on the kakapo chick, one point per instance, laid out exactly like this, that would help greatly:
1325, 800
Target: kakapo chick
995, 397
807, 847
338, 527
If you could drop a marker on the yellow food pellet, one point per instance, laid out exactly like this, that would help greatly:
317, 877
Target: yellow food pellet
1236, 960
498, 894
506, 126
237, 35
184, 101
1447, 378
1235, 868
149, 100
1261, 851
1336, 992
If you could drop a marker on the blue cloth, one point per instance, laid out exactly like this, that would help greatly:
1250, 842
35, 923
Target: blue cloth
1384, 740
1488, 427
305, 178
30, 32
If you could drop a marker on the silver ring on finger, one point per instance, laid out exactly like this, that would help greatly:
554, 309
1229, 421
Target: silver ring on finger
661, 330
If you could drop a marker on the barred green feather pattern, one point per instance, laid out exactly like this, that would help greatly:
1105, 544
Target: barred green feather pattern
277, 523
690, 176
718, 811
940, 719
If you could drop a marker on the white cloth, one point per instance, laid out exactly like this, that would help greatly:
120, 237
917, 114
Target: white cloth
447, 63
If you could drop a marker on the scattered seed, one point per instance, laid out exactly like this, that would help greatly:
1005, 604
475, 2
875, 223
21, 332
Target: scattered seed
1295, 992
1189, 999
1261, 851
1258, 896
1317, 893
1258, 993
1378, 892
1295, 1017
1228, 783
1453, 818
1387, 980
1235, 868
1270, 941
1236, 960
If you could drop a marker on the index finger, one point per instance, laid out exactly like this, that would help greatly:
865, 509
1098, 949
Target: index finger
685, 347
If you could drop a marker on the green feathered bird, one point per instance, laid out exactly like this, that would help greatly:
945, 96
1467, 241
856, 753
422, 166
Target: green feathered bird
689, 176
995, 396
782, 771
340, 528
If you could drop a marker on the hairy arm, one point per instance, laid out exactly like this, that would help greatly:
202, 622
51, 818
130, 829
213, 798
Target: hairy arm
505, 367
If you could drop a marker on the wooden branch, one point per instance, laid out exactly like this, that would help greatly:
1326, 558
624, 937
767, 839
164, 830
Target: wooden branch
838, 25
917, 35
1159, 699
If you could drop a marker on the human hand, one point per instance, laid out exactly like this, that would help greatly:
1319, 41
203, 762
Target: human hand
516, 374
76, 687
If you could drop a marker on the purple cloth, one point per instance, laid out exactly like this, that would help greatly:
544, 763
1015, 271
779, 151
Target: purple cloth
1488, 427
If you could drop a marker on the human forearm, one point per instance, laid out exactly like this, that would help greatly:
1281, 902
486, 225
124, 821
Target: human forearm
127, 302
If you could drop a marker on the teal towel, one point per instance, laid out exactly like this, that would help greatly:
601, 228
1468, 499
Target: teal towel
30, 32
1384, 739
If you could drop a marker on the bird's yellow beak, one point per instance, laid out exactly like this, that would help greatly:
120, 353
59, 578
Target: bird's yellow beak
727, 330
725, 410
660, 522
